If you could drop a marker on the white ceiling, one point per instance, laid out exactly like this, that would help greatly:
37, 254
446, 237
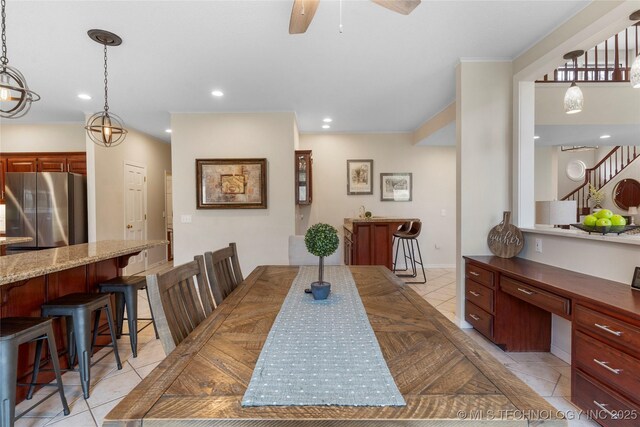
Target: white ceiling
385, 73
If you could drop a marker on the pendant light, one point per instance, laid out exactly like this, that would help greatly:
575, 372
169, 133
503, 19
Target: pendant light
105, 128
634, 74
573, 99
15, 95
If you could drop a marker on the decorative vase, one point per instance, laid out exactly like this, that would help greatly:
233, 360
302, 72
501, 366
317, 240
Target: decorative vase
320, 289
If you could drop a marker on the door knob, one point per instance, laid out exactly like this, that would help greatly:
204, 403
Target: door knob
129, 226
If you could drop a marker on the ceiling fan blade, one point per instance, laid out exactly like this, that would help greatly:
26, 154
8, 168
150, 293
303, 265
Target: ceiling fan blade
301, 15
404, 7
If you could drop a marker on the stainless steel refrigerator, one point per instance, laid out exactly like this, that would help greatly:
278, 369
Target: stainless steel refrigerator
50, 207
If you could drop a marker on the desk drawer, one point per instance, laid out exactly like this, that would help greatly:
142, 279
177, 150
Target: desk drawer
610, 409
479, 295
611, 330
480, 319
479, 274
545, 300
608, 365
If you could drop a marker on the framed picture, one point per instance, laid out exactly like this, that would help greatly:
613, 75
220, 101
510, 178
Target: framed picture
635, 283
231, 183
359, 177
396, 187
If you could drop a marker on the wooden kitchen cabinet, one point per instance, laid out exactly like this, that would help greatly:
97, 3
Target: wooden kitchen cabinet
22, 164
52, 164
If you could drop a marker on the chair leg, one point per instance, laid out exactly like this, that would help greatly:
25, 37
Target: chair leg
131, 301
96, 326
8, 380
36, 367
71, 346
113, 334
153, 319
82, 331
120, 303
53, 351
415, 261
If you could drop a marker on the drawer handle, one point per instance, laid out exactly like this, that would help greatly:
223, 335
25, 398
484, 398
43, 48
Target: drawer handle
608, 329
606, 366
474, 317
602, 406
473, 273
526, 291
475, 294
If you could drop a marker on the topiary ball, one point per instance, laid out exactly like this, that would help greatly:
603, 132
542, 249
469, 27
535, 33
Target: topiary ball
321, 239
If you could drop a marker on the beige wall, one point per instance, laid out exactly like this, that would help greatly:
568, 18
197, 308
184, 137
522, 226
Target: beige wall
16, 138
261, 234
109, 187
566, 185
433, 170
546, 171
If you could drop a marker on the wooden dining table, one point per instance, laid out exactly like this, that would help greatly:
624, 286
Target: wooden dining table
445, 377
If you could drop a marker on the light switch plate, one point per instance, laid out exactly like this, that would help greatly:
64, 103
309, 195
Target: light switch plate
185, 219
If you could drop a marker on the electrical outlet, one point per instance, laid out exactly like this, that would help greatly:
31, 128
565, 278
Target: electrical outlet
185, 219
539, 245
443, 212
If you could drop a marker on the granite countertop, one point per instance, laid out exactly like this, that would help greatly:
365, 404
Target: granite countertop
348, 222
26, 265
12, 240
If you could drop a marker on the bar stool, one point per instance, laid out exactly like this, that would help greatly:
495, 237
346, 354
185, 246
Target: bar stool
411, 239
126, 290
401, 231
13, 332
77, 309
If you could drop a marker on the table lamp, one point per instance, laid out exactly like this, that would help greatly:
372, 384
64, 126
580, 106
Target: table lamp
633, 210
556, 212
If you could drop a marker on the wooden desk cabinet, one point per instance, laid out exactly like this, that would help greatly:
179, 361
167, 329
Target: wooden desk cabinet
510, 301
368, 242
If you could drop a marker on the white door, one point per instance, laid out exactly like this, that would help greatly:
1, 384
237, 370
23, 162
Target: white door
135, 212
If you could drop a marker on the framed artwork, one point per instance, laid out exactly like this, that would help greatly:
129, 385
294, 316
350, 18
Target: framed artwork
231, 183
359, 177
396, 187
635, 283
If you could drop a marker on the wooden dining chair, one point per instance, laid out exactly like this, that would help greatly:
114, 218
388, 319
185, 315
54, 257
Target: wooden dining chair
223, 270
180, 300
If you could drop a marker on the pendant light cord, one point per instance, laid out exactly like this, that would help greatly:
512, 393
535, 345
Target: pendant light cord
3, 58
106, 90
340, 27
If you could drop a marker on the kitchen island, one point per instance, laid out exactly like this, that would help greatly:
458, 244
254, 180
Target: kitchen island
4, 241
29, 279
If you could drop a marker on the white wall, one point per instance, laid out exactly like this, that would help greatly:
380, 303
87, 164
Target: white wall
434, 178
566, 185
261, 234
108, 187
16, 138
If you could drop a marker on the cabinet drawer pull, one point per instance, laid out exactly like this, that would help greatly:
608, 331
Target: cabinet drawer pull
602, 406
606, 366
475, 294
608, 329
473, 273
526, 291
474, 317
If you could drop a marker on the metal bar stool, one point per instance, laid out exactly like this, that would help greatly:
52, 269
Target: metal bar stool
411, 238
13, 332
77, 309
401, 231
126, 290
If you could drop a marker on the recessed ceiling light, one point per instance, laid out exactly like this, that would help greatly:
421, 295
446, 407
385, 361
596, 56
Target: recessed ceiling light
167, 130
325, 126
536, 137
605, 136
84, 96
217, 93
327, 120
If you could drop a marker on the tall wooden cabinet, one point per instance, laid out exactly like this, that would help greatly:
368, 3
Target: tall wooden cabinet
304, 177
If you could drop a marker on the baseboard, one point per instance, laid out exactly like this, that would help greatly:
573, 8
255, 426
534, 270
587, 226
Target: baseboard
561, 354
463, 324
440, 266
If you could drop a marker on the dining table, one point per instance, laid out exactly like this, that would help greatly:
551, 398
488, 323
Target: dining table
444, 376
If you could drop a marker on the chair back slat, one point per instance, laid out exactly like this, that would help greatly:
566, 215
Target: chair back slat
178, 301
223, 270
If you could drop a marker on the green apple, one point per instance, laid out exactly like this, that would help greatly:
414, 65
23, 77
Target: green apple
618, 220
589, 220
604, 213
603, 222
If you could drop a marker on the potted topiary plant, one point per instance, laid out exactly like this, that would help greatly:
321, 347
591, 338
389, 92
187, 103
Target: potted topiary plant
321, 240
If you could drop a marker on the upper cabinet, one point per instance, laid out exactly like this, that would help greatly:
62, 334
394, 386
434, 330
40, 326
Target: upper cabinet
22, 164
304, 164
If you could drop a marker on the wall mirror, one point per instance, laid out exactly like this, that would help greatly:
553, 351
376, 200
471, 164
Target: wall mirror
626, 193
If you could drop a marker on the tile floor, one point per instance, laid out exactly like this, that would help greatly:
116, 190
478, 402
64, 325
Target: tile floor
546, 374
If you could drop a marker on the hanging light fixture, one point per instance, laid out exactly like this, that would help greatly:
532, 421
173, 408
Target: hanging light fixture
573, 99
634, 74
15, 95
105, 128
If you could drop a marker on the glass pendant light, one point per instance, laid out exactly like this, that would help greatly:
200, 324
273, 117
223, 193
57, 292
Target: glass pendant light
15, 95
573, 99
634, 74
105, 128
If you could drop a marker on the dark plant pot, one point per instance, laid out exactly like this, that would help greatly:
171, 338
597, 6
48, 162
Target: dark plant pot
320, 290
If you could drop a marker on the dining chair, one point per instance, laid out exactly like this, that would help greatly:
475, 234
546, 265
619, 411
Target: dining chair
223, 270
180, 300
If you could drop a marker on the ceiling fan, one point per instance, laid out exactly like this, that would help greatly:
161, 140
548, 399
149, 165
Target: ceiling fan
303, 11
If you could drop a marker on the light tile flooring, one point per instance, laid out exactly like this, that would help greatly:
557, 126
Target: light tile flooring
543, 372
